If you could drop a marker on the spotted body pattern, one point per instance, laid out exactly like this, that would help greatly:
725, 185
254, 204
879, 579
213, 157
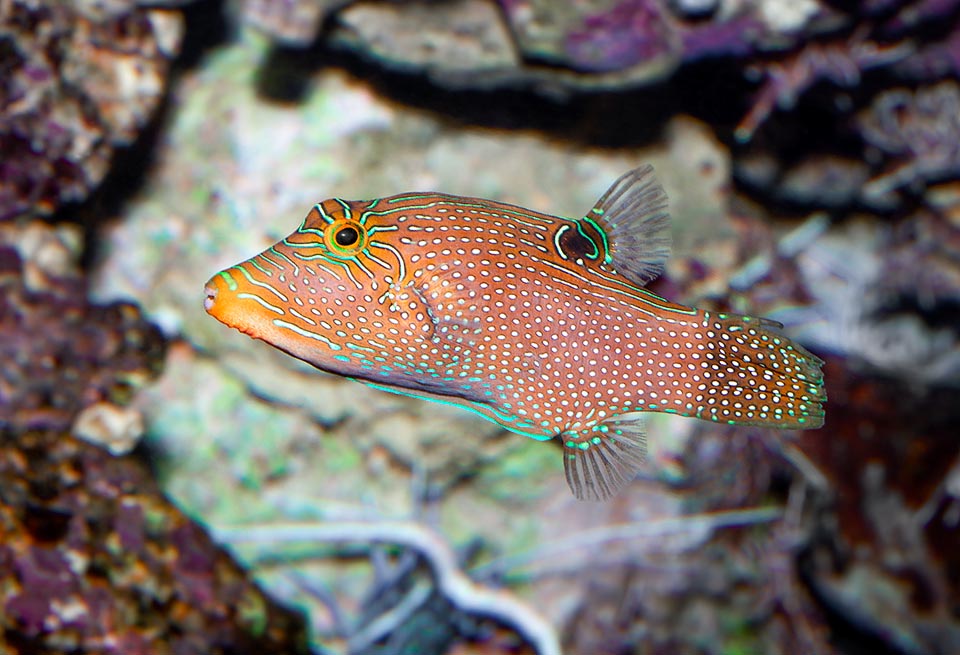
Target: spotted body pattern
539, 323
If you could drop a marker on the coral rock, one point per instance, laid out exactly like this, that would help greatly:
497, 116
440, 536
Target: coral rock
79, 80
61, 353
94, 559
919, 128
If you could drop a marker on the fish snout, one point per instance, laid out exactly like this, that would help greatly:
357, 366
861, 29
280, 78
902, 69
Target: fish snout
223, 299
217, 294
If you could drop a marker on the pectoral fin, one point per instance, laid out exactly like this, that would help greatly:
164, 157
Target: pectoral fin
451, 306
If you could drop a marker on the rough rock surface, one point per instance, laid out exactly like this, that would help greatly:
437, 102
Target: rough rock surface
80, 79
62, 353
93, 559
562, 47
821, 72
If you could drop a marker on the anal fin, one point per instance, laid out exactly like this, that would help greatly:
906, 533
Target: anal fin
600, 460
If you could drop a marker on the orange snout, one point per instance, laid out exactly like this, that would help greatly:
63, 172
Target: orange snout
221, 301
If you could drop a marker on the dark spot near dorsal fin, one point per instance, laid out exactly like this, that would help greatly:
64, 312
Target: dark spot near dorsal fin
580, 240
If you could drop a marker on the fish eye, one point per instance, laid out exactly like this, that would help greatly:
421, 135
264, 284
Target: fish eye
346, 236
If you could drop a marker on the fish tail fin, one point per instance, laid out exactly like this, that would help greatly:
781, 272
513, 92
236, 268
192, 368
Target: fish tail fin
754, 375
598, 461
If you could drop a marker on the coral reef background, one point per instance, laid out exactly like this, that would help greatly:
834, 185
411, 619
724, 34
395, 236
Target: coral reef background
168, 486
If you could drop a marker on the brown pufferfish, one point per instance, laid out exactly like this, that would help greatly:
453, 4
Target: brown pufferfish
536, 322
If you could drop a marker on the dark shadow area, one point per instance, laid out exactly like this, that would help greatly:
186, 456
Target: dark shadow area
207, 28
129, 171
936, 313
621, 118
150, 453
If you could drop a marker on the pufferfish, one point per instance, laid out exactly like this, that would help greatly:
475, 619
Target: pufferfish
538, 323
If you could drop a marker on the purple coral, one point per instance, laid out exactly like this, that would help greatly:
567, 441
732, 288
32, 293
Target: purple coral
734, 37
634, 31
840, 62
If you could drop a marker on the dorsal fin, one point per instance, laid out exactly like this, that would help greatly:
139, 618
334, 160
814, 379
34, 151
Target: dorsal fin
633, 216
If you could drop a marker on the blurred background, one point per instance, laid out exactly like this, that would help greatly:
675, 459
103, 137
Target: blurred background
168, 485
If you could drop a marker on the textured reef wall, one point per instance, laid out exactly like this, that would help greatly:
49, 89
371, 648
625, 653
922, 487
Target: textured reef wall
79, 80
93, 557
810, 151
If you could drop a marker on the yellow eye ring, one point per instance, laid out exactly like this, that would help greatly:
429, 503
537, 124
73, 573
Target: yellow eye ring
345, 237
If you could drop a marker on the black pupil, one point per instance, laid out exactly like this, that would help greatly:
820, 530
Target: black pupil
347, 236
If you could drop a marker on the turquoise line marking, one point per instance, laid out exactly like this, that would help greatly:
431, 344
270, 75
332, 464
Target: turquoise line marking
253, 262
303, 318
402, 265
346, 208
414, 196
296, 267
253, 296
453, 201
379, 262
330, 271
299, 246
263, 285
511, 423
323, 214
356, 260
306, 333
330, 260
277, 266
231, 283
354, 346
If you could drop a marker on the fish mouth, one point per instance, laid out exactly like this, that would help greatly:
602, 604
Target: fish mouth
217, 298
210, 292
